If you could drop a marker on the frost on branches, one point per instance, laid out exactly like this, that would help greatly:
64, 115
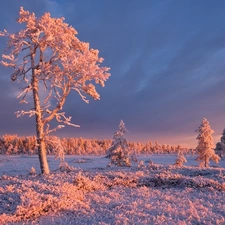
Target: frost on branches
220, 146
180, 159
119, 152
205, 144
54, 143
49, 61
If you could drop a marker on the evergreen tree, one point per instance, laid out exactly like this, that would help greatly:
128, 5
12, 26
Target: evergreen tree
220, 146
119, 151
180, 159
205, 144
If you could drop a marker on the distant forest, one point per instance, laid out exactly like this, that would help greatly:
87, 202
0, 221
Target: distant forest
13, 144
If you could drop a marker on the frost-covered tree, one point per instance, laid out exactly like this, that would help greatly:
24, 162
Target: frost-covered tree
9, 149
119, 153
49, 61
205, 144
55, 144
220, 146
32, 171
180, 159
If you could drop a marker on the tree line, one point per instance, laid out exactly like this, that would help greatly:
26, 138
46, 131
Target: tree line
14, 144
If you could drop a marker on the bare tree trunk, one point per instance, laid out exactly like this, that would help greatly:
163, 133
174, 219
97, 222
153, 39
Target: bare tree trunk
39, 124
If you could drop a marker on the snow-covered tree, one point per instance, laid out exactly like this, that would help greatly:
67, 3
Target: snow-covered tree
180, 159
141, 164
119, 153
205, 144
50, 61
220, 146
32, 171
9, 149
56, 146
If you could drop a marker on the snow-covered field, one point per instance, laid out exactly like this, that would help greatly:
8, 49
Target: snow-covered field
92, 193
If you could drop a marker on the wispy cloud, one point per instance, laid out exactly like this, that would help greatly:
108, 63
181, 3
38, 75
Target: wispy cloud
166, 61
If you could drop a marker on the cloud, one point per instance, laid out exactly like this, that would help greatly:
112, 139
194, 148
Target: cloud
166, 62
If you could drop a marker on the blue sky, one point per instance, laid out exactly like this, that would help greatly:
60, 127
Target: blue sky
167, 67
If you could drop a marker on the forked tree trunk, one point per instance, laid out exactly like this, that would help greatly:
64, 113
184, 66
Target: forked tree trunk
39, 126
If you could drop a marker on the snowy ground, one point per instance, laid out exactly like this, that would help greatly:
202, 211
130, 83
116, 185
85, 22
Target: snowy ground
92, 193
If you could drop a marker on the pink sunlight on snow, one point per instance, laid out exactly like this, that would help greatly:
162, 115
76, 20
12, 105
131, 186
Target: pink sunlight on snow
166, 166
87, 191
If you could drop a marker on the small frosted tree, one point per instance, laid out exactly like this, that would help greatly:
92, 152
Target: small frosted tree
49, 61
205, 144
220, 146
55, 144
119, 153
32, 171
180, 159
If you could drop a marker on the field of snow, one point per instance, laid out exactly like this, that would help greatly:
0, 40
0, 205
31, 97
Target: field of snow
89, 192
